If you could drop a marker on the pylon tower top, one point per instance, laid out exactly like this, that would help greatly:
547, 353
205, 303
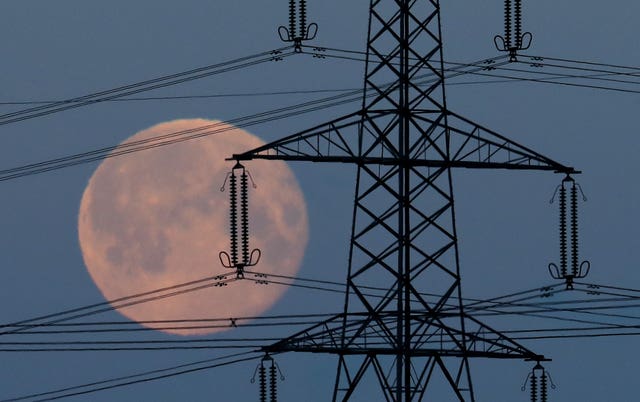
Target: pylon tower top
404, 331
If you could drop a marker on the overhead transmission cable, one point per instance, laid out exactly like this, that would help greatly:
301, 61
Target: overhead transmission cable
145, 86
217, 323
538, 60
254, 343
486, 65
199, 132
488, 307
121, 302
495, 306
139, 378
536, 307
487, 62
103, 327
549, 77
635, 70
188, 97
478, 307
535, 61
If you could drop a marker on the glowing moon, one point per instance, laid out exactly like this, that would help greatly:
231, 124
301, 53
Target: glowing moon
157, 218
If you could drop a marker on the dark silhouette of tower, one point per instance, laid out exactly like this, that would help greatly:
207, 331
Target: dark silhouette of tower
404, 329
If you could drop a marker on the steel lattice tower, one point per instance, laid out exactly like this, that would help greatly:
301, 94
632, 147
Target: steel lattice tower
404, 327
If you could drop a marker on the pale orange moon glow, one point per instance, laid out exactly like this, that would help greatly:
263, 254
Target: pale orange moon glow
157, 218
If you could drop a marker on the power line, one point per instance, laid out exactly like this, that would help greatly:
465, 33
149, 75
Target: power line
190, 97
155, 378
338, 90
121, 302
595, 287
591, 63
144, 86
129, 379
204, 323
91, 156
489, 306
199, 132
552, 78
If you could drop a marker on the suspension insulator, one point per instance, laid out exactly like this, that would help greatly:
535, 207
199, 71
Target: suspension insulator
292, 19
507, 24
303, 19
273, 377
574, 231
518, 23
543, 387
240, 256
563, 230
263, 382
233, 217
244, 216
534, 387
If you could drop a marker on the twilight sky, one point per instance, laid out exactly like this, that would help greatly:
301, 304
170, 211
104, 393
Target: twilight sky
59, 49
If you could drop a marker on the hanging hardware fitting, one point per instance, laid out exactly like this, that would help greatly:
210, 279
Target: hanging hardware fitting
513, 40
298, 30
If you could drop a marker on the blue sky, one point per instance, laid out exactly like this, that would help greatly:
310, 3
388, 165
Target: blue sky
59, 49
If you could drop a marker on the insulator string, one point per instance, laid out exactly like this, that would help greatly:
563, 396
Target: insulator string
518, 23
273, 377
244, 216
240, 256
507, 24
574, 231
292, 19
303, 19
263, 382
233, 217
543, 387
534, 386
563, 230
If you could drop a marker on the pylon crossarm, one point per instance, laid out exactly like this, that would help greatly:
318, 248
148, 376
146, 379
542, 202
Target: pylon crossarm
325, 140
327, 335
318, 334
448, 341
473, 145
431, 337
496, 340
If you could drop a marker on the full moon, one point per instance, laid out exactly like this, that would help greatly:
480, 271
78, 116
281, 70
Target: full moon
158, 218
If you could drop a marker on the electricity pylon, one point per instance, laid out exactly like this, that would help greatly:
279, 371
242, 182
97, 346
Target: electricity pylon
404, 330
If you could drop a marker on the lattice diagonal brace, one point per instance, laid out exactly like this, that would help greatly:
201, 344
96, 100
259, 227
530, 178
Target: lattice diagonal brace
404, 331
